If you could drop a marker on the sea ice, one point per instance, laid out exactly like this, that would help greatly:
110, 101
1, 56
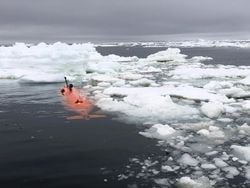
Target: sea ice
245, 81
220, 163
186, 159
208, 166
158, 131
244, 129
145, 107
51, 61
201, 58
143, 82
231, 171
243, 152
187, 182
246, 105
216, 85
248, 173
194, 72
171, 54
212, 109
174, 95
167, 168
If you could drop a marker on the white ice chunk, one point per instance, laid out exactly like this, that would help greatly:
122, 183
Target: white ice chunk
162, 181
248, 173
147, 107
196, 126
119, 83
212, 109
116, 58
187, 182
213, 128
211, 153
215, 85
186, 92
224, 156
208, 166
220, 163
142, 82
42, 78
201, 58
102, 67
244, 129
158, 131
213, 132
167, 168
171, 54
231, 171
50, 61
131, 76
245, 81
243, 152
226, 120
186, 159
246, 105
151, 70
105, 78
195, 72
204, 132
234, 92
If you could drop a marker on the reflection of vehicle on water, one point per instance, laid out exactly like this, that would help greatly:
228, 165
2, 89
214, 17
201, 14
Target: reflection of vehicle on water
73, 100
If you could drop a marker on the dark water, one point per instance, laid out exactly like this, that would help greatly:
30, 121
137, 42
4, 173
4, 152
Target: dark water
225, 56
41, 148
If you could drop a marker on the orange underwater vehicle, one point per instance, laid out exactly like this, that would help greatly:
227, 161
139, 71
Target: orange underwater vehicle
74, 101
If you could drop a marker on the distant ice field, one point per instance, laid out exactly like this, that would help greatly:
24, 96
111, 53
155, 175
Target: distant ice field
185, 43
194, 101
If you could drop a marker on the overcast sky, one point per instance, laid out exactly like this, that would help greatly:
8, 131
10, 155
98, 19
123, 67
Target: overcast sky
83, 20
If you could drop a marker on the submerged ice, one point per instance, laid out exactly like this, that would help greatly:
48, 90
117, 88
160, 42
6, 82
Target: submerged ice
197, 112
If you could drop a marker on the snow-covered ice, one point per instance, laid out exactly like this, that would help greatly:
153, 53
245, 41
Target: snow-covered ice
187, 159
45, 62
159, 131
212, 110
243, 152
202, 182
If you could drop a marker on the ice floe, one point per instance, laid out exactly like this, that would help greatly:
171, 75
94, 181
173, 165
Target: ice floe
188, 160
243, 152
202, 182
159, 131
171, 54
45, 62
146, 107
212, 109
220, 163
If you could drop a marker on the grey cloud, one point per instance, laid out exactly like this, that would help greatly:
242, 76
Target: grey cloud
109, 18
